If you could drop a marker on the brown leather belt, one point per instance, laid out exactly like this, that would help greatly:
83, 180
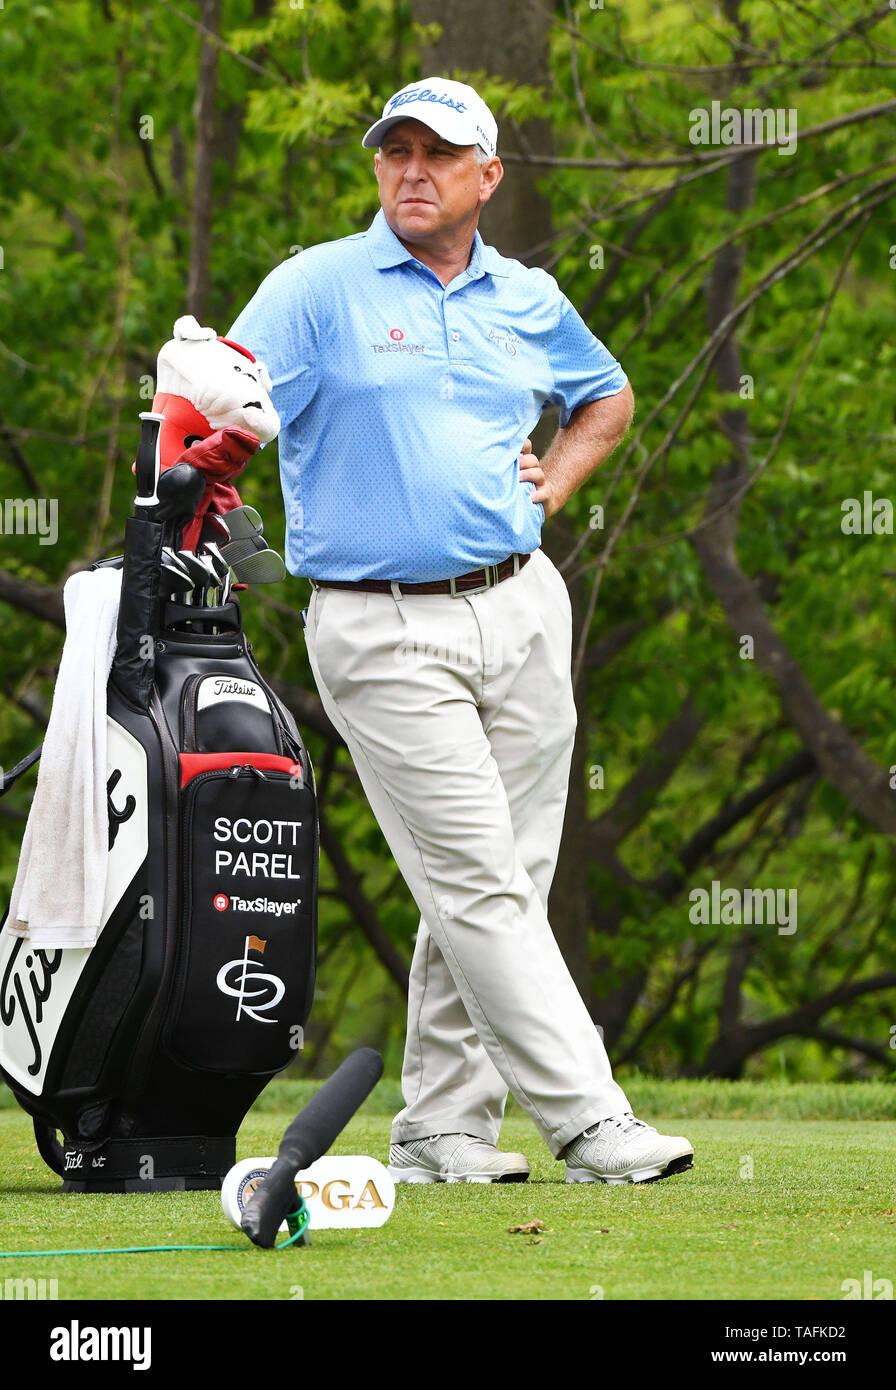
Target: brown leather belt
474, 582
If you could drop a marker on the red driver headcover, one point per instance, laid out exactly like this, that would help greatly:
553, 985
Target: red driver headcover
223, 455
220, 457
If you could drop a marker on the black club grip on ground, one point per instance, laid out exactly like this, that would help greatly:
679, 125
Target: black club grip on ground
308, 1138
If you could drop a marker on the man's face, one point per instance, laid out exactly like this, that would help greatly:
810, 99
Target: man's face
427, 185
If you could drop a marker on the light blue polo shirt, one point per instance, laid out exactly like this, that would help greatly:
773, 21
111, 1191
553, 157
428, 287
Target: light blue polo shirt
404, 403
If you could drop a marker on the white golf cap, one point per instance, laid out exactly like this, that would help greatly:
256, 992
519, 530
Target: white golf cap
452, 109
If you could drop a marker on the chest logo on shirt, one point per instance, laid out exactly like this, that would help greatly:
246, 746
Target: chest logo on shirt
396, 343
508, 341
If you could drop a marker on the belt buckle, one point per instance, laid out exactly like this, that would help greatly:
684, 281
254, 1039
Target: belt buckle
490, 582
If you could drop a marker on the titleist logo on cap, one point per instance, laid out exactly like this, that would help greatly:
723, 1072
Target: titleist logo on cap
427, 94
452, 109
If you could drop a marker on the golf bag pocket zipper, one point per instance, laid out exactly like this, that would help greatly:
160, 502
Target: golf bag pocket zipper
245, 959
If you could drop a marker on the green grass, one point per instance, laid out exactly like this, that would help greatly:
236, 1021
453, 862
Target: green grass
819, 1208
686, 1100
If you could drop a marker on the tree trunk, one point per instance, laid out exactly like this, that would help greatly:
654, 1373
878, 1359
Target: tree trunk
201, 219
510, 43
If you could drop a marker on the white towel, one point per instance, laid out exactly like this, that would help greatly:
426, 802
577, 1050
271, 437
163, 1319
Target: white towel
57, 898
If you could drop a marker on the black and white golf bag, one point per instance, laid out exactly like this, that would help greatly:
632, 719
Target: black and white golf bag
147, 1049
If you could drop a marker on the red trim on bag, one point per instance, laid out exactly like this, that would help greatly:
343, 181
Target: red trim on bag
191, 764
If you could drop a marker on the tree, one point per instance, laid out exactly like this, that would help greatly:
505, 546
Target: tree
732, 630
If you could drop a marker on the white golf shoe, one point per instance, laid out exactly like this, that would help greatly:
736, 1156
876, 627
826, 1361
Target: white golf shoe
454, 1158
623, 1149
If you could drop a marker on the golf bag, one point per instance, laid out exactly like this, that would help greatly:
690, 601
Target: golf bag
147, 1049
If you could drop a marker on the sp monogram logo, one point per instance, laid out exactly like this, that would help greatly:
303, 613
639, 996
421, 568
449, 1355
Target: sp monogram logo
255, 991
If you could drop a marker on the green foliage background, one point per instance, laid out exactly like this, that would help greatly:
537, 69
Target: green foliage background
94, 228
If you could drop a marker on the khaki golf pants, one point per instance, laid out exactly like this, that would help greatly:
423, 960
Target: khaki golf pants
459, 715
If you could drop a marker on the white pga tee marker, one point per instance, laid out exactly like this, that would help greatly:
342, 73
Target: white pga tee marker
340, 1192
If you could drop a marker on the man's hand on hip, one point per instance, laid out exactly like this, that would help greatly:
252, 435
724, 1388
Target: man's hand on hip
592, 433
531, 471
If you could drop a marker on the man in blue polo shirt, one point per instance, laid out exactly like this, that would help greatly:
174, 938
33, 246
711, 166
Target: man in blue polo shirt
409, 364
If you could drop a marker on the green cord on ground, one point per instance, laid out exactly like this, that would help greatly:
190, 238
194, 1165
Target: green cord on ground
139, 1249
297, 1222
111, 1250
